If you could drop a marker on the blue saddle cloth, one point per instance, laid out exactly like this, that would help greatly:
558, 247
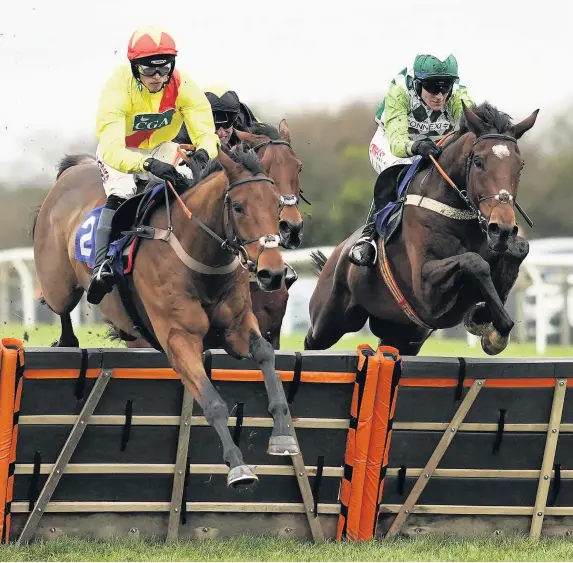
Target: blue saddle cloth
382, 218
84, 246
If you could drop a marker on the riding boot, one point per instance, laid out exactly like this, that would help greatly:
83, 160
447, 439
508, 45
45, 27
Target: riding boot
102, 276
291, 275
364, 251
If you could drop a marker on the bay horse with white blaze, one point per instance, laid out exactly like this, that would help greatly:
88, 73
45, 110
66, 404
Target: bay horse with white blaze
455, 255
183, 309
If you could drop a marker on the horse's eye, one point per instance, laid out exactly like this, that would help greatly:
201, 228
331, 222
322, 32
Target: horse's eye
479, 163
238, 208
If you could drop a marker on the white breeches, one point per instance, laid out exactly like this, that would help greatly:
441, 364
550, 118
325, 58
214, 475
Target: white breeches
123, 185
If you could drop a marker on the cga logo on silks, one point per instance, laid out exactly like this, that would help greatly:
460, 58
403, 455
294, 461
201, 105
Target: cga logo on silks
152, 121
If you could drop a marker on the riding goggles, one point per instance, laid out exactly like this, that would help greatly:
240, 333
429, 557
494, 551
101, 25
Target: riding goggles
151, 70
437, 86
224, 119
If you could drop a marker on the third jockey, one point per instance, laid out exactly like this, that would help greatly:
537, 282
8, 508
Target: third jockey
422, 105
141, 109
229, 113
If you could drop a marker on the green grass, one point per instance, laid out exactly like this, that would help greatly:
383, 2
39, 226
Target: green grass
268, 549
94, 337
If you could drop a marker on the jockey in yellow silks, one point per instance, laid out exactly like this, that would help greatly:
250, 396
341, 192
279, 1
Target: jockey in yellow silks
141, 109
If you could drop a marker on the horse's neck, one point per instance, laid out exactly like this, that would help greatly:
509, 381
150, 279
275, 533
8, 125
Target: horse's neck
207, 203
433, 185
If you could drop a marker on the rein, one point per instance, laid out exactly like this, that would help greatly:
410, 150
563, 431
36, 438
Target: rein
503, 196
237, 244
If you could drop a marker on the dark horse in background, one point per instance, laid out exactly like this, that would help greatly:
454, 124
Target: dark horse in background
455, 256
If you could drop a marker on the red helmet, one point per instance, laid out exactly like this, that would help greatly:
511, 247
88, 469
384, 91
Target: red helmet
150, 41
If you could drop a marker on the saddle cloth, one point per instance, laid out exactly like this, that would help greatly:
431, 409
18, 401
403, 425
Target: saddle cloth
389, 218
123, 248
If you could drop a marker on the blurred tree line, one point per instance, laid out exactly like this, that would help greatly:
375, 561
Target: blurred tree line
338, 178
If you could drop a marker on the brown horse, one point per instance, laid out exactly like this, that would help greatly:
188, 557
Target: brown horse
183, 309
279, 160
281, 163
456, 253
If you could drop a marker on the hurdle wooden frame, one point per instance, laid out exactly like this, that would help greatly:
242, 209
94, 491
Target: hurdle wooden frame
49, 516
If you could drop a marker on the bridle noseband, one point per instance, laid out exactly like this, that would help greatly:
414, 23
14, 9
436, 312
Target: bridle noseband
287, 200
237, 243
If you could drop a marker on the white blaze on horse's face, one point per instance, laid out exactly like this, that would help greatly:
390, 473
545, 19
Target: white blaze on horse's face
501, 151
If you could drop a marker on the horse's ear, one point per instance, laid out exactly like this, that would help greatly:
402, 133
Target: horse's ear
475, 124
284, 131
248, 138
524, 126
230, 167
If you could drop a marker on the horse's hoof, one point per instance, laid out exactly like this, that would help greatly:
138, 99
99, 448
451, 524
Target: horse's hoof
494, 343
480, 330
242, 478
282, 445
472, 325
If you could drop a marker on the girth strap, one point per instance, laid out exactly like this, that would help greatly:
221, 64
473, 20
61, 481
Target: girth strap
390, 282
439, 207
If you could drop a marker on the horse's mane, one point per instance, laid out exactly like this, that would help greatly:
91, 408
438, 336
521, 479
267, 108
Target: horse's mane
266, 129
247, 158
494, 120
70, 160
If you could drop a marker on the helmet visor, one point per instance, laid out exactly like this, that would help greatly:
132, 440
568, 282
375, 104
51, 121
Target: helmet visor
437, 86
224, 119
162, 70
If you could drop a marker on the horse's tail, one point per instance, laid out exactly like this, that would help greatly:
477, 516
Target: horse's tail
318, 259
70, 160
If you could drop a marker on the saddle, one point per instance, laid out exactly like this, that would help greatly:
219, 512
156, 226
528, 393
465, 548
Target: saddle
128, 228
390, 191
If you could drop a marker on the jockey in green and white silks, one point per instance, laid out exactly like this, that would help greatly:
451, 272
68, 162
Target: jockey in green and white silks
422, 105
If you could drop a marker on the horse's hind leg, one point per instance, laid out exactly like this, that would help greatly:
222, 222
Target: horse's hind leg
67, 305
61, 291
332, 318
67, 336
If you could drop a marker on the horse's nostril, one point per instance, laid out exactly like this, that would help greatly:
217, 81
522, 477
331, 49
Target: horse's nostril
264, 276
493, 229
269, 279
284, 226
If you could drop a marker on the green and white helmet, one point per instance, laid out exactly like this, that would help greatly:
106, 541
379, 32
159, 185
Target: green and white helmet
431, 67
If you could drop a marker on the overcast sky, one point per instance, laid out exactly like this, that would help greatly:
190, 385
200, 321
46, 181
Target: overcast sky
289, 54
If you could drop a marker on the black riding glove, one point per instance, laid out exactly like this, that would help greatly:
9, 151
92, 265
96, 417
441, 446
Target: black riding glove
426, 147
201, 158
164, 171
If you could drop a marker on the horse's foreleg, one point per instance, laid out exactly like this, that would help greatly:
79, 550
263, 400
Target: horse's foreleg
504, 273
184, 350
442, 280
270, 308
245, 339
